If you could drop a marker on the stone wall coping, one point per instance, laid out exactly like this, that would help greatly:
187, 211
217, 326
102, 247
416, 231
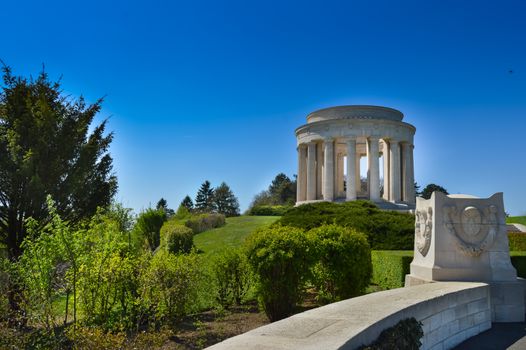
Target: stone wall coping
350, 323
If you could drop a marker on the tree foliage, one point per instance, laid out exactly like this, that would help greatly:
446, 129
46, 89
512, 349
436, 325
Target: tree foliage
281, 191
204, 201
46, 148
429, 189
188, 203
162, 204
225, 202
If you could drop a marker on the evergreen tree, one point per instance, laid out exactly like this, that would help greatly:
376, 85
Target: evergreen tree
429, 189
188, 203
46, 148
204, 201
162, 204
282, 190
225, 201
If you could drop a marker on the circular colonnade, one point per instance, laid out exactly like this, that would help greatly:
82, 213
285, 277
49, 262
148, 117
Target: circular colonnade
330, 148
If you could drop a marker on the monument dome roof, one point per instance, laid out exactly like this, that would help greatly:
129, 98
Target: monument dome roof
355, 112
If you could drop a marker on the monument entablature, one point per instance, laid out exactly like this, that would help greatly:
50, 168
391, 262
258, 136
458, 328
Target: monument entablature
334, 140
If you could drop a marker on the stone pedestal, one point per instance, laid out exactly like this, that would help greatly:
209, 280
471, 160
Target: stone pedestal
464, 238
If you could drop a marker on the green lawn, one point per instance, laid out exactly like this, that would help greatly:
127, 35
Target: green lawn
516, 220
232, 234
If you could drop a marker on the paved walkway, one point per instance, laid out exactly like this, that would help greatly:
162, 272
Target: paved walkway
500, 336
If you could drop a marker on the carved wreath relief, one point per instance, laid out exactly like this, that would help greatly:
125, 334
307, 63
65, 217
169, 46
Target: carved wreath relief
423, 229
474, 230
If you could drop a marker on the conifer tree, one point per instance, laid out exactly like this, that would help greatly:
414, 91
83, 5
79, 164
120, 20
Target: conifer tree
225, 201
46, 148
188, 203
204, 201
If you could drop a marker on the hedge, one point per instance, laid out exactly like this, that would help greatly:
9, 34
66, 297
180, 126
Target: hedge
517, 241
385, 230
204, 222
518, 260
269, 210
390, 266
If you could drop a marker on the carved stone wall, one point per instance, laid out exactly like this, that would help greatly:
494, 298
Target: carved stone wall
464, 238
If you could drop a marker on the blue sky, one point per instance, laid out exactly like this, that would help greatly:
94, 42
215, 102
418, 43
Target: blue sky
202, 90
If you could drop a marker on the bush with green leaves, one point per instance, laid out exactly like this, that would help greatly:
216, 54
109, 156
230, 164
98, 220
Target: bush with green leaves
46, 269
170, 286
385, 230
107, 278
148, 227
177, 238
343, 268
204, 222
232, 276
406, 334
280, 258
182, 213
269, 210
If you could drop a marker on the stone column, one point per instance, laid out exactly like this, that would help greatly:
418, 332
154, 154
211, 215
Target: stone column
351, 170
405, 172
328, 168
411, 197
394, 171
311, 171
301, 194
374, 168
386, 170
358, 178
339, 175
319, 171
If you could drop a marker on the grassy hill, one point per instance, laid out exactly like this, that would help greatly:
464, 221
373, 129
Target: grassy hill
516, 220
232, 234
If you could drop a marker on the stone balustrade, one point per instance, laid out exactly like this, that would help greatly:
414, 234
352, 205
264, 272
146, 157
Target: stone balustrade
450, 312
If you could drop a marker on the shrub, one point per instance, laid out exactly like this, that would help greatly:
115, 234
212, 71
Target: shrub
204, 222
518, 260
232, 276
107, 277
182, 213
385, 230
148, 227
344, 265
390, 268
406, 334
280, 257
517, 241
177, 238
170, 285
95, 338
269, 210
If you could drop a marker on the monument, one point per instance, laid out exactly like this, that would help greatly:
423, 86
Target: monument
334, 140
464, 238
